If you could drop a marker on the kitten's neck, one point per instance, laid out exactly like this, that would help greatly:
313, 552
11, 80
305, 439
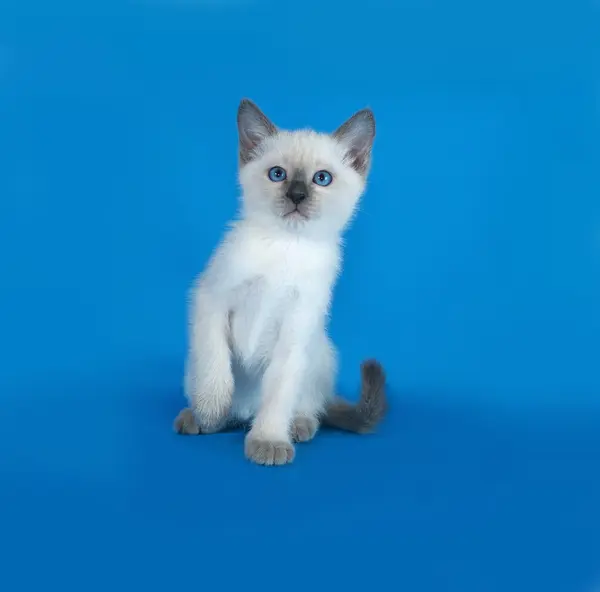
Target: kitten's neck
271, 229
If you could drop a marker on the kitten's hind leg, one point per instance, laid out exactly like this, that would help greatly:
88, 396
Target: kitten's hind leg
186, 424
303, 428
316, 394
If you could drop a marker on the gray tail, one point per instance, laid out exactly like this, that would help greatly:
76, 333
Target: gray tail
371, 408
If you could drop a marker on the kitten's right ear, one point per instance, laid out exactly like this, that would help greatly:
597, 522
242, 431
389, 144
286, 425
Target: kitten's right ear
253, 127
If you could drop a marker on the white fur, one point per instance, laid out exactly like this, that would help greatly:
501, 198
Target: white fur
259, 349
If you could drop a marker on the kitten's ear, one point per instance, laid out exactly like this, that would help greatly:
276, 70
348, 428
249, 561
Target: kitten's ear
253, 127
357, 136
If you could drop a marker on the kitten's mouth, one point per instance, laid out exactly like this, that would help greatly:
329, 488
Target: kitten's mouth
295, 213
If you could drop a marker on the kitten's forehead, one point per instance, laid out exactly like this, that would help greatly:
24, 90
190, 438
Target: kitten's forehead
304, 149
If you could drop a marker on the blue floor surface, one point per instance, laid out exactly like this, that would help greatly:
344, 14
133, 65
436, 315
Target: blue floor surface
472, 273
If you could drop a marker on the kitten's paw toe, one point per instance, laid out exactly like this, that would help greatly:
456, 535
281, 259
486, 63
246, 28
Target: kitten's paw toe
303, 429
185, 423
265, 452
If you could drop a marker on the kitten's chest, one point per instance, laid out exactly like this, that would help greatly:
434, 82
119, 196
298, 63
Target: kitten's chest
255, 318
275, 273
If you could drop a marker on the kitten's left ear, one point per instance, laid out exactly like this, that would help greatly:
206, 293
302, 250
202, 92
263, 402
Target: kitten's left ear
357, 135
253, 127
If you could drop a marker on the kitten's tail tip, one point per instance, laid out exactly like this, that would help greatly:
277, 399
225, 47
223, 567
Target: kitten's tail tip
371, 408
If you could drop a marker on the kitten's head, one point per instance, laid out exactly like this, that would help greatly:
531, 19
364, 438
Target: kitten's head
303, 180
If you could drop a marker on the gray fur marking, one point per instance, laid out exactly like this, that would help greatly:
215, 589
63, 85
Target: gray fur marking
371, 408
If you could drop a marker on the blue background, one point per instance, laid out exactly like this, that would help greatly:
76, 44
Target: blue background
472, 272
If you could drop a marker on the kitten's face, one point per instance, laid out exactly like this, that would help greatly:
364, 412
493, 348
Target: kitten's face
303, 180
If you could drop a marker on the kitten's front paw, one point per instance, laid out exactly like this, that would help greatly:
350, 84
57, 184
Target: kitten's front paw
266, 452
303, 429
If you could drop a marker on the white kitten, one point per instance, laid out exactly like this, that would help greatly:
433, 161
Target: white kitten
259, 351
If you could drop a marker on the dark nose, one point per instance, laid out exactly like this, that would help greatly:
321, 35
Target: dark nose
297, 191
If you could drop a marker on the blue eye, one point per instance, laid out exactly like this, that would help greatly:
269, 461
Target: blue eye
277, 174
322, 178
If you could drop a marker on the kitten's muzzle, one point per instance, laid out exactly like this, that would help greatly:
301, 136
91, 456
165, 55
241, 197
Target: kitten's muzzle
297, 192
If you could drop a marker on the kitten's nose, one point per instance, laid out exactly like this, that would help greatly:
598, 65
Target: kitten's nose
297, 191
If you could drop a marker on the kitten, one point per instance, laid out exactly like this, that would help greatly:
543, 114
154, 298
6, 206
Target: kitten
259, 310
